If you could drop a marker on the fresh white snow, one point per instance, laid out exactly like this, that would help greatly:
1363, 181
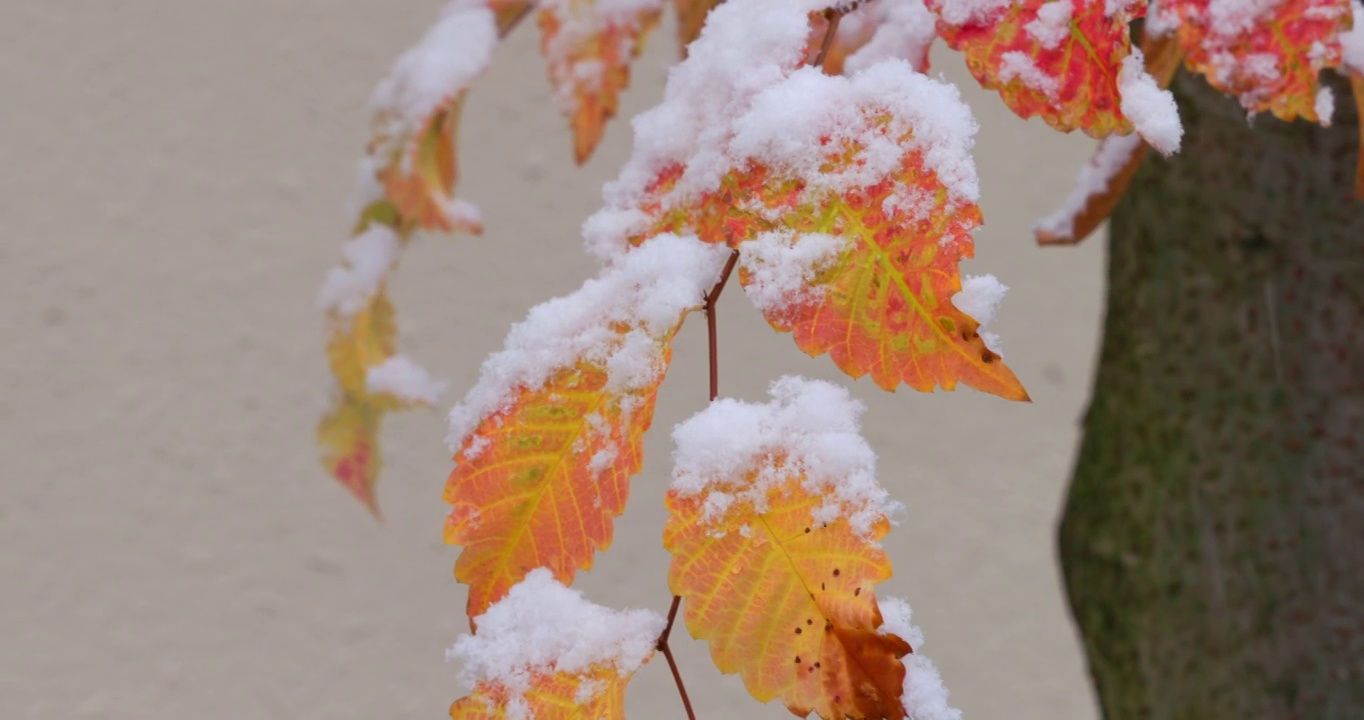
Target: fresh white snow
646, 290
726, 453
542, 628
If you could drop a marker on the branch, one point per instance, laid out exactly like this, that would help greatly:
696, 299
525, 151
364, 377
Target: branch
672, 662
712, 297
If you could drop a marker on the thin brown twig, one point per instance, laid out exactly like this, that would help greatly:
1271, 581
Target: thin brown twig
832, 15
672, 662
711, 298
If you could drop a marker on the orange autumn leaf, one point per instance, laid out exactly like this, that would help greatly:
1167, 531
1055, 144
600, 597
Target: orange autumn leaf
348, 436
419, 178
545, 651
1267, 55
1059, 59
880, 302
540, 483
776, 570
588, 45
411, 154
348, 433
547, 441
362, 356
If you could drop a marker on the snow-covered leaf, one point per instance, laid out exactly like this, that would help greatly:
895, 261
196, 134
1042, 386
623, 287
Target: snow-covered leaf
546, 652
1059, 59
362, 338
547, 440
879, 161
588, 45
1266, 53
774, 518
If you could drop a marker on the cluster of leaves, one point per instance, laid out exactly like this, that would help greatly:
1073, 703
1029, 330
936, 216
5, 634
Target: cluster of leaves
804, 146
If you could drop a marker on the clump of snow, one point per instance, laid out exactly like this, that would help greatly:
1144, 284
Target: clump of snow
406, 380
781, 265
784, 127
446, 60
645, 290
904, 30
964, 12
365, 259
980, 297
1052, 25
1324, 105
924, 696
542, 627
367, 186
1108, 160
463, 213
1152, 110
438, 68
767, 39
730, 451
713, 120
1352, 42
1233, 17
1016, 64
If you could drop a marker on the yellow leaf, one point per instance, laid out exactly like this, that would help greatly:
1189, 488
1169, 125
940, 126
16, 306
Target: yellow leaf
540, 483
776, 574
419, 180
348, 436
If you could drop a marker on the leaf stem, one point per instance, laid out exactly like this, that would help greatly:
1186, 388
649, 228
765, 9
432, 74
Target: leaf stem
713, 350
672, 662
832, 15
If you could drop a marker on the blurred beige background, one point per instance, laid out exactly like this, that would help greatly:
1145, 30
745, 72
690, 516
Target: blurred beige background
175, 178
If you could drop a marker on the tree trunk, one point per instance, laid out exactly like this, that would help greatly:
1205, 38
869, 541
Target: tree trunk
1213, 538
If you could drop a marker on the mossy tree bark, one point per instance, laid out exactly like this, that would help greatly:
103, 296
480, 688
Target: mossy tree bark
1213, 538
